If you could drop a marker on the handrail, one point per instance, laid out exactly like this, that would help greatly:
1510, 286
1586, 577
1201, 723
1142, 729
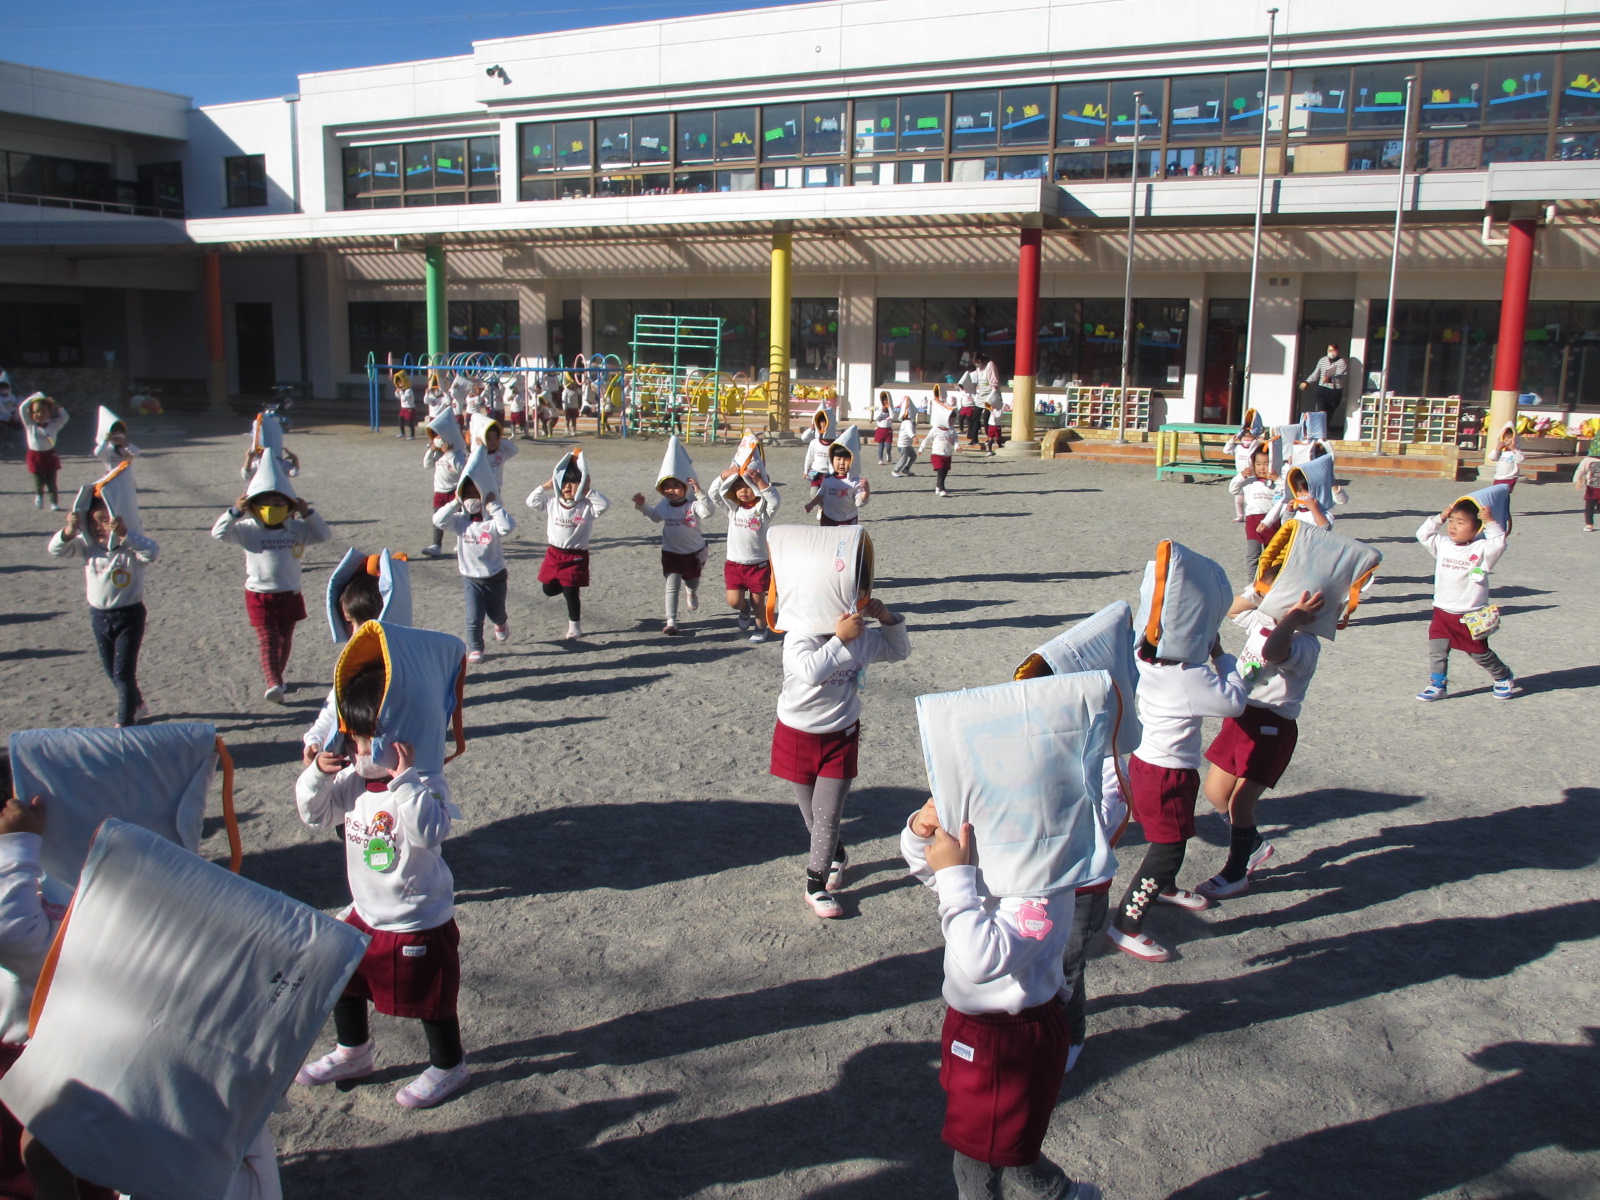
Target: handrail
111, 206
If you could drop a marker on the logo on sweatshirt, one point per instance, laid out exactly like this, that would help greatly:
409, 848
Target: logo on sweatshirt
121, 578
1033, 921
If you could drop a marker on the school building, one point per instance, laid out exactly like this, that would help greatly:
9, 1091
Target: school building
907, 179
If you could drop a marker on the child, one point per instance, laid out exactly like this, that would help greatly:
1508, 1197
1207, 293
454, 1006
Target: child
113, 574
839, 496
821, 435
1005, 1019
571, 504
941, 447
408, 406
514, 406
571, 404
750, 502
477, 401
1242, 446
991, 428
274, 526
362, 588
8, 413
548, 396
1587, 480
402, 896
447, 455
436, 399
1252, 750
478, 519
111, 445
487, 432
42, 419
1176, 690
817, 736
1255, 491
1298, 499
882, 431
1467, 542
906, 440
683, 546
1506, 457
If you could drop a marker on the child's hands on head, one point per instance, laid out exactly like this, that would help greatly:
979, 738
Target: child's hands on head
638, 499
947, 851
1309, 605
879, 611
17, 817
404, 756
330, 764
70, 529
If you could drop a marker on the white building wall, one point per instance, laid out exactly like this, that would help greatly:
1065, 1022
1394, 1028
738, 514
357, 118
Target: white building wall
221, 131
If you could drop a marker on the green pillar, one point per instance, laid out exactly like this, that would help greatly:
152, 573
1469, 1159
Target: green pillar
438, 310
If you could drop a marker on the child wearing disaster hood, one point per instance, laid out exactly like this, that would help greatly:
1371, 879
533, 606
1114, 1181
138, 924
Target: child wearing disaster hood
42, 421
683, 546
274, 527
478, 519
750, 501
571, 503
391, 798
842, 492
1466, 540
114, 560
446, 455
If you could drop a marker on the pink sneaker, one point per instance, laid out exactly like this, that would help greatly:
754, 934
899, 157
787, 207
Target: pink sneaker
1183, 898
475, 656
433, 1086
346, 1062
1140, 945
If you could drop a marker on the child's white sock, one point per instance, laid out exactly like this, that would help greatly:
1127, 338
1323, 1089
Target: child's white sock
1238, 506
674, 581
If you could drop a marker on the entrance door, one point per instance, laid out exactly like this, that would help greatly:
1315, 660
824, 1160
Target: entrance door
1222, 378
258, 361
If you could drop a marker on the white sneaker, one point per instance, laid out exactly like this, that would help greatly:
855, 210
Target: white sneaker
433, 1086
760, 635
744, 621
54, 507
38, 501
896, 475
502, 632
474, 656
824, 905
142, 713
694, 600
346, 1062
432, 551
274, 694
574, 631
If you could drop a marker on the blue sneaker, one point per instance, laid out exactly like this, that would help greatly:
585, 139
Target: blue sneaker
1436, 690
1504, 689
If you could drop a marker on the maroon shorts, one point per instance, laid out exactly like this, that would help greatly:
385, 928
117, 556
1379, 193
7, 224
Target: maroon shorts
440, 499
515, 419
407, 414
569, 568
880, 436
803, 757
1256, 745
1591, 493
993, 432
827, 520
1511, 484
1253, 531
409, 974
687, 565
14, 1178
43, 462
274, 608
1162, 799
939, 462
754, 578
1451, 628
1001, 1076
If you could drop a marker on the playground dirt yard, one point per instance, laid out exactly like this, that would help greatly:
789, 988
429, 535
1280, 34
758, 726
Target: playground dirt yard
1402, 1006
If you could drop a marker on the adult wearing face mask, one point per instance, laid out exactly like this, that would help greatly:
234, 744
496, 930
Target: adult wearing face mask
274, 526
1325, 383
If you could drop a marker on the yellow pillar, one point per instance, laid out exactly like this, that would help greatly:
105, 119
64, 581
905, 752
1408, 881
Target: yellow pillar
778, 358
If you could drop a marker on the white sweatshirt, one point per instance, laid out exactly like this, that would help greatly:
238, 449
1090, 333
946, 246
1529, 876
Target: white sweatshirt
1507, 463
26, 931
111, 578
1243, 450
747, 527
1173, 699
884, 418
1282, 686
1000, 955
508, 450
271, 556
478, 551
907, 436
1461, 576
680, 533
326, 724
109, 453
568, 528
817, 457
41, 438
446, 467
410, 888
941, 439
1260, 495
407, 397
821, 675
841, 497
436, 401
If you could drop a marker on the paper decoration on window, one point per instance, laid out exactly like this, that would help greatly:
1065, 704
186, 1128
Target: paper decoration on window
1390, 99
1030, 110
650, 143
577, 148
928, 123
1441, 96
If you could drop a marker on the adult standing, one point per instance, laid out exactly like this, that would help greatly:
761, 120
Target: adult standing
986, 383
1326, 382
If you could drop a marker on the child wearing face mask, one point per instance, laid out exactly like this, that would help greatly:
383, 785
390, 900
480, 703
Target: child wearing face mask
479, 521
274, 526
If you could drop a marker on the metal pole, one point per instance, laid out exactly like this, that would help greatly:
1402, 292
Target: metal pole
1394, 272
1261, 197
1127, 282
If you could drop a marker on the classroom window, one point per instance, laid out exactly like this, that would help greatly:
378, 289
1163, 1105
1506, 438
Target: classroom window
822, 175
736, 134
1083, 114
781, 126
697, 137
824, 129
483, 327
246, 177
1151, 105
1025, 116
1380, 95
974, 120
1197, 107
1441, 348
876, 127
1518, 89
41, 335
574, 145
1452, 94
1580, 88
1247, 103
386, 327
654, 183
423, 174
1320, 103
922, 122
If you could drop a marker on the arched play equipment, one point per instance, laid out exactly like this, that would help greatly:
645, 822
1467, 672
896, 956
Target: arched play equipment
606, 370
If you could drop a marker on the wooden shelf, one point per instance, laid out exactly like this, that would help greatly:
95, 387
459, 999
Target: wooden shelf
1096, 408
1417, 419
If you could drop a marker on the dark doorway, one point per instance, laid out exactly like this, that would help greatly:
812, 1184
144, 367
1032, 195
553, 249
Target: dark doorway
1222, 378
1324, 323
566, 335
258, 360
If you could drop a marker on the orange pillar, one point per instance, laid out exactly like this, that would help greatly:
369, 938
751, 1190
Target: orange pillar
1513, 331
216, 353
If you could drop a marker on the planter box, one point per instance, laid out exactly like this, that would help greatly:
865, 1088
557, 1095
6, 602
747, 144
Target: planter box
1548, 445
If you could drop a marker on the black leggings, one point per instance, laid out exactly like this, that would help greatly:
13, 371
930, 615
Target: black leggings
444, 1037
938, 477
1156, 874
1588, 510
574, 595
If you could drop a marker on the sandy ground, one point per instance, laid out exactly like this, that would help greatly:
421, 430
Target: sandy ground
1396, 1010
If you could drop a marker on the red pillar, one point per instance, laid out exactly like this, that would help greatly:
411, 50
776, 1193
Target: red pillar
217, 375
1027, 365
1513, 329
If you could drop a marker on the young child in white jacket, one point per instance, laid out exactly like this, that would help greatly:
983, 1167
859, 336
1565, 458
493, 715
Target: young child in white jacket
683, 546
750, 501
570, 511
479, 521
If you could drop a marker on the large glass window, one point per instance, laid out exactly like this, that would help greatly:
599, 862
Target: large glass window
736, 134
876, 126
1561, 353
1151, 104
823, 175
383, 328
418, 158
41, 335
654, 183
1452, 94
484, 326
1441, 347
1083, 109
1580, 88
824, 128
922, 122
537, 150
1380, 95
781, 126
483, 170
974, 123
697, 137
1321, 101
613, 140
1025, 116
1197, 106
1247, 103
449, 171
652, 139
1074, 167
574, 146
246, 178
1519, 89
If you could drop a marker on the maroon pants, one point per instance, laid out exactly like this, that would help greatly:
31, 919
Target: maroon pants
1001, 1074
274, 615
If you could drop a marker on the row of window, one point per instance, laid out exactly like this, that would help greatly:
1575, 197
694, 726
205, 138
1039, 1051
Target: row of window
41, 335
421, 174
44, 178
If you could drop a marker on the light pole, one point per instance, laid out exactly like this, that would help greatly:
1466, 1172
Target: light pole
1261, 197
1127, 283
1394, 272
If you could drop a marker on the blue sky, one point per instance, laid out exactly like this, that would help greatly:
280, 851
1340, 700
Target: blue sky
250, 49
